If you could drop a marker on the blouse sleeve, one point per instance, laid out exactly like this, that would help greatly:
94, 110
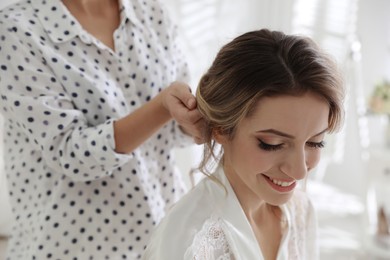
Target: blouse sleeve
34, 102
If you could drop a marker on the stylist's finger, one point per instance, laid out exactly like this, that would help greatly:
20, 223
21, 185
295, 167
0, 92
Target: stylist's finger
183, 115
194, 125
198, 136
193, 115
183, 93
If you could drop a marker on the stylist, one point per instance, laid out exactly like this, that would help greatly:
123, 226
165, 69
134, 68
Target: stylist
93, 105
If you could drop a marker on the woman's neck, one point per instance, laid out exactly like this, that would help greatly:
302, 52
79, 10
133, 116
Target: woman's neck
98, 17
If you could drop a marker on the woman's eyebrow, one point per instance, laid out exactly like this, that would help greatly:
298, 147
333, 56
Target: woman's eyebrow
276, 132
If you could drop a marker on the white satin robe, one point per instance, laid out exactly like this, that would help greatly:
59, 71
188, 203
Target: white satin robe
209, 224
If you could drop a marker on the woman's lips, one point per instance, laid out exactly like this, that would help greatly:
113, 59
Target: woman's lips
280, 185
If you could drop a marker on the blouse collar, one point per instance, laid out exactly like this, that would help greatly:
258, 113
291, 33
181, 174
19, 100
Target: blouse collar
62, 26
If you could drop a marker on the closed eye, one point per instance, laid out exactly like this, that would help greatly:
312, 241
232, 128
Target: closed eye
316, 145
269, 147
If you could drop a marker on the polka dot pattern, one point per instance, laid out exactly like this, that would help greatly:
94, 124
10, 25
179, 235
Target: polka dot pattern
61, 89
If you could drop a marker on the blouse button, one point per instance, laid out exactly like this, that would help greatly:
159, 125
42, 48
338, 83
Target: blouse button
86, 39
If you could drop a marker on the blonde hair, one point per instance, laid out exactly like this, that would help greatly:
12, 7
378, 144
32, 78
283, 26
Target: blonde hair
260, 64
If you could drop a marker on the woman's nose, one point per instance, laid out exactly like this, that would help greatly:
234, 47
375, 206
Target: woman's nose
295, 165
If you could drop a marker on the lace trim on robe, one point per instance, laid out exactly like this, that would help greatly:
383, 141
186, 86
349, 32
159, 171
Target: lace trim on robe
210, 243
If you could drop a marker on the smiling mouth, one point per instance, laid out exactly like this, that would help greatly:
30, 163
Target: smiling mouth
281, 183
280, 186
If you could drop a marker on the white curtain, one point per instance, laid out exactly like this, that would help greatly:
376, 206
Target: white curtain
205, 25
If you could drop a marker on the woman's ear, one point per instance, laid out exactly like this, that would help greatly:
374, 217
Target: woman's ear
219, 137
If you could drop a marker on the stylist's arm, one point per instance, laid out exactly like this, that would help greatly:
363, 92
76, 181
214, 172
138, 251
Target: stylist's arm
175, 102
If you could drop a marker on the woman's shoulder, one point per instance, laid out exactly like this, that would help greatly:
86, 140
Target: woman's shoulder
189, 219
210, 242
193, 208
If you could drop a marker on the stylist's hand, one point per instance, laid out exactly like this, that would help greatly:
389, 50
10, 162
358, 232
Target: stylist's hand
181, 104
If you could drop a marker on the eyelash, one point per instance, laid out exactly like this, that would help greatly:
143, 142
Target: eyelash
270, 147
315, 145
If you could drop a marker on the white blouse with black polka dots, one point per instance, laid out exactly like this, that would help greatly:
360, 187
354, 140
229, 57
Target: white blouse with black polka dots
61, 89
